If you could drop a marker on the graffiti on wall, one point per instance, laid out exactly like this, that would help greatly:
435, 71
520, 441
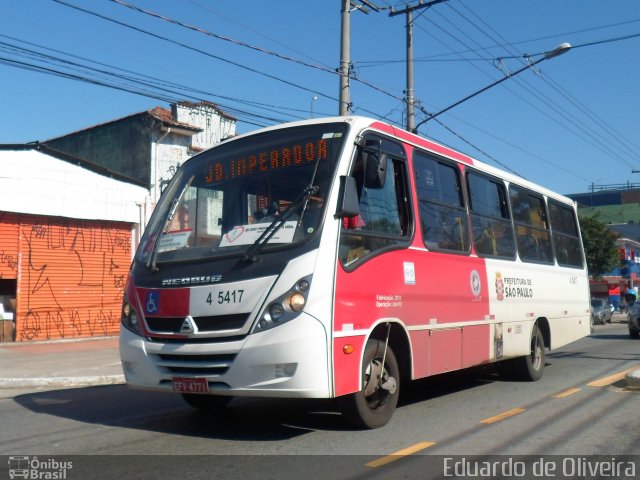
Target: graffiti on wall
9, 261
72, 278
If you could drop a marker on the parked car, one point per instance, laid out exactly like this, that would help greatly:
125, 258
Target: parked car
601, 310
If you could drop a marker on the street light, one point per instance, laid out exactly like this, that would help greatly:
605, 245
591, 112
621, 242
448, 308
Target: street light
559, 50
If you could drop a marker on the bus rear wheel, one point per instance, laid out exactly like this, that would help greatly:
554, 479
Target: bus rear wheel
374, 404
208, 403
529, 367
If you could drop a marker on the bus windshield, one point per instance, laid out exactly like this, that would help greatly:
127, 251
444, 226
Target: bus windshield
222, 201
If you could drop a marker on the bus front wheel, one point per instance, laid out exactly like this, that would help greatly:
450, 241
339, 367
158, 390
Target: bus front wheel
374, 404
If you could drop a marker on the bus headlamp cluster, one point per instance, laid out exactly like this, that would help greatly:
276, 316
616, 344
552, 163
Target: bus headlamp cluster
129, 318
286, 307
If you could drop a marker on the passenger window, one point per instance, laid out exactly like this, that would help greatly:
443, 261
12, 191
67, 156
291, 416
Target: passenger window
384, 219
443, 216
566, 237
491, 226
532, 229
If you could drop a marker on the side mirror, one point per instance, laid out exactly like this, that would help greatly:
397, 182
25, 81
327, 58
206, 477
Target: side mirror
375, 170
348, 201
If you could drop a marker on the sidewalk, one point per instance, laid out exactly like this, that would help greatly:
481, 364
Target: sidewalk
60, 364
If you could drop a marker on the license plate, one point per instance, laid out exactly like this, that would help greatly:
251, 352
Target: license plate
190, 385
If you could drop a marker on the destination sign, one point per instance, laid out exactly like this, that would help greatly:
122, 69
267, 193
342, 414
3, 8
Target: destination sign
286, 157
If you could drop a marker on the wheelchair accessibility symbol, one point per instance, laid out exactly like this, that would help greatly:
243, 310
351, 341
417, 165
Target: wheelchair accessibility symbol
152, 302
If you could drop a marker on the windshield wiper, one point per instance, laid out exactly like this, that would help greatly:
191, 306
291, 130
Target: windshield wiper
252, 253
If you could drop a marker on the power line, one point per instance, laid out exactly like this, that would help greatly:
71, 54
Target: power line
160, 92
576, 123
572, 119
246, 45
203, 52
439, 57
217, 57
221, 37
250, 29
136, 75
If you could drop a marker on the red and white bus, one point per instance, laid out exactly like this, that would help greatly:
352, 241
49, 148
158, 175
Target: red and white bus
340, 258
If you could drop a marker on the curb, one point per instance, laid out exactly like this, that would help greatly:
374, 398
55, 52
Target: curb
61, 382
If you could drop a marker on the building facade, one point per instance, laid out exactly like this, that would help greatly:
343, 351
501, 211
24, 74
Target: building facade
149, 146
67, 230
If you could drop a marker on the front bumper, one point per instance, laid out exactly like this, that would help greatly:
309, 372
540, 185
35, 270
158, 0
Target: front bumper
291, 360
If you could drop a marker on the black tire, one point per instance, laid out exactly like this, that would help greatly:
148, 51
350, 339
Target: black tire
208, 403
634, 333
530, 367
375, 409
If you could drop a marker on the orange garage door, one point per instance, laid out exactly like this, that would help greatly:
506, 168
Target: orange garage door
72, 276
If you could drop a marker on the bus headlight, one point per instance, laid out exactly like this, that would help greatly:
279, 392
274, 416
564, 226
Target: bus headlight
129, 318
286, 307
276, 311
297, 301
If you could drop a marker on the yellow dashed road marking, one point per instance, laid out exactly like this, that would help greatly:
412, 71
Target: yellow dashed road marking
606, 381
566, 393
502, 416
400, 454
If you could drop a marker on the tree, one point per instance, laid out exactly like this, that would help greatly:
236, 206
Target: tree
599, 246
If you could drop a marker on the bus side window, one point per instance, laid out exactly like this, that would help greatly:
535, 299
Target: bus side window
566, 237
384, 219
443, 216
490, 222
532, 229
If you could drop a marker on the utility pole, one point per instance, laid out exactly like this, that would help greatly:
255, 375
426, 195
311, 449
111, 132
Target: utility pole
345, 46
410, 98
345, 58
409, 90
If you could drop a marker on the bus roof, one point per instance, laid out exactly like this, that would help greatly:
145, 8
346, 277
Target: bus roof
360, 123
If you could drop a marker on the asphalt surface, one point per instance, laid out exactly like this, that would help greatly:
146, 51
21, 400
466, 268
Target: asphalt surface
93, 361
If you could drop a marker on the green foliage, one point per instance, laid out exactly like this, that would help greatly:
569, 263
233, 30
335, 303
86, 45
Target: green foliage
599, 246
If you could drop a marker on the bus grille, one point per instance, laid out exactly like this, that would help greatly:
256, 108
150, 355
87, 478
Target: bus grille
210, 324
205, 365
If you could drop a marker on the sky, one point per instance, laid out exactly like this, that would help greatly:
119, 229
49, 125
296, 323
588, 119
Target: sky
569, 123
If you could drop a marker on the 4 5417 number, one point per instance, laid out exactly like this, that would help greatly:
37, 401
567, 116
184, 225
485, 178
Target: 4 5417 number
225, 296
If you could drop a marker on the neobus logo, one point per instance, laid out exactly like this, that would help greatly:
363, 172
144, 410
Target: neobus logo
177, 282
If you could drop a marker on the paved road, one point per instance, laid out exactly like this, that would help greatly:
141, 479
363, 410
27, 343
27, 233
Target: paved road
580, 407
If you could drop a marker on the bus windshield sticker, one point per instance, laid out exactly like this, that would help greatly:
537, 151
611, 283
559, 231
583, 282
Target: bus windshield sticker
173, 240
331, 135
248, 234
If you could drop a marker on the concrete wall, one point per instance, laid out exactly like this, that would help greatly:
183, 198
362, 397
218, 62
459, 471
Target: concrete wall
215, 127
123, 146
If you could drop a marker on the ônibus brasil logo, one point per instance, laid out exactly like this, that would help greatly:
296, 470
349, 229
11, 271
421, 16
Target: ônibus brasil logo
33, 468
